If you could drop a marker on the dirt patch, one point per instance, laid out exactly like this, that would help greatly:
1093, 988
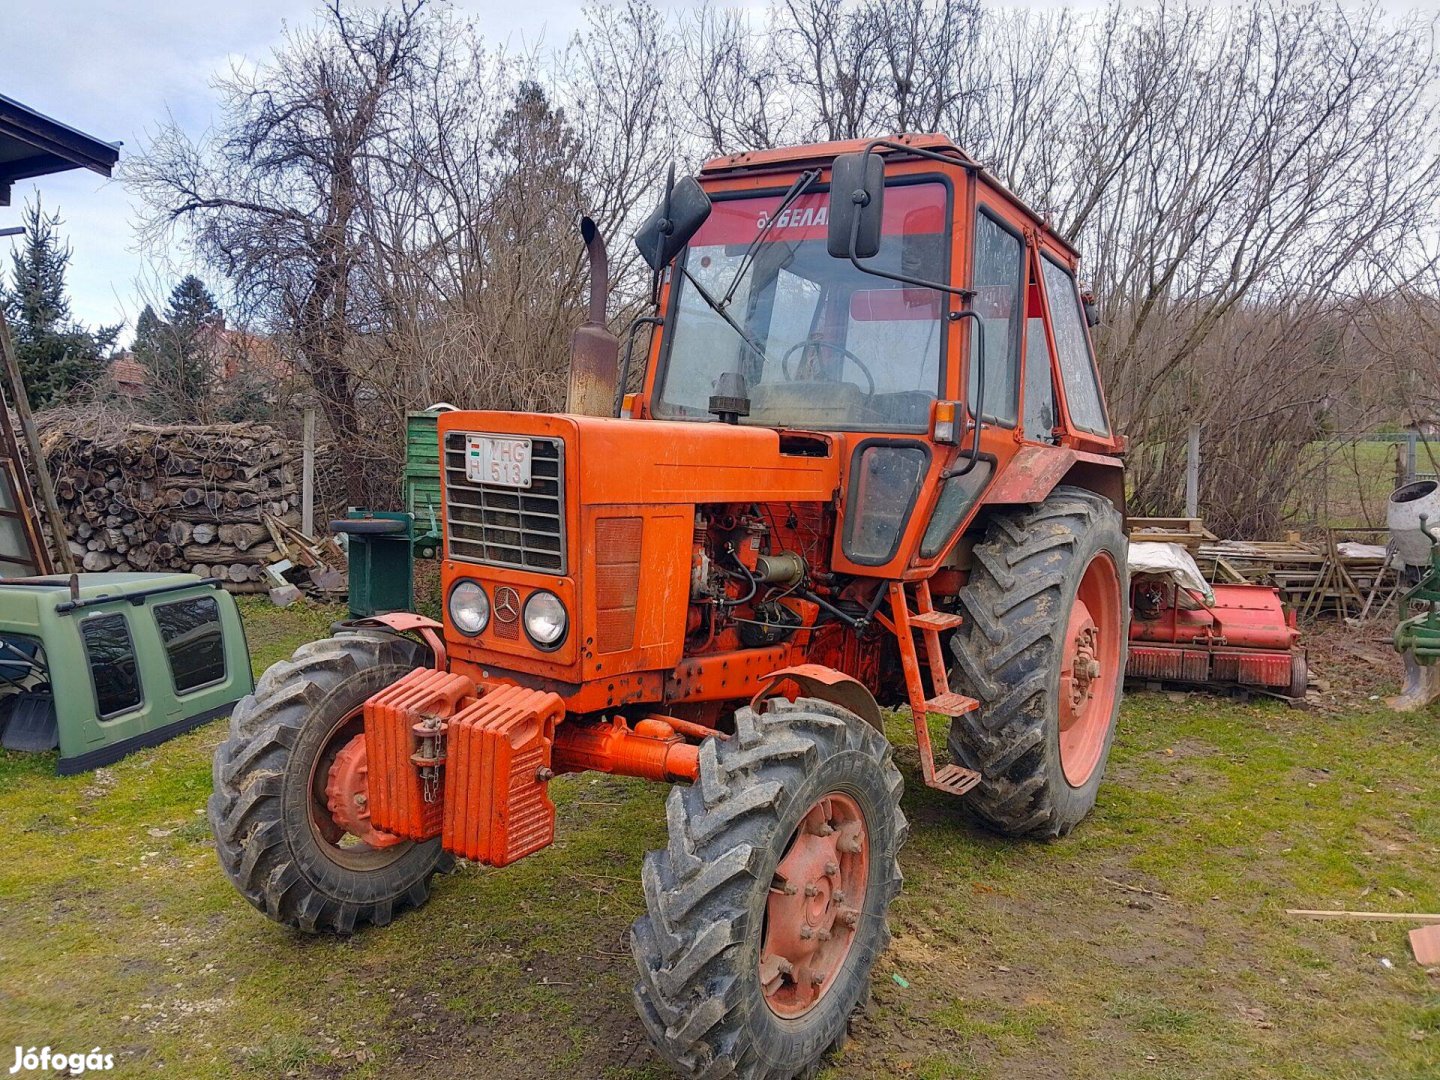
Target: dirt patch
1351, 667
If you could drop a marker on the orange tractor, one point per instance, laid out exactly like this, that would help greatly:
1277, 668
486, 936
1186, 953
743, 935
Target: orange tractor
870, 465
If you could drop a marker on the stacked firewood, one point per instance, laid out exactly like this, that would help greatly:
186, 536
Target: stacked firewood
204, 499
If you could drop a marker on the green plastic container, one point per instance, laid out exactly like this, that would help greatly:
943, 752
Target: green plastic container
381, 561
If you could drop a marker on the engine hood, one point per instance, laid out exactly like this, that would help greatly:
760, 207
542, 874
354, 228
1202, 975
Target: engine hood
653, 461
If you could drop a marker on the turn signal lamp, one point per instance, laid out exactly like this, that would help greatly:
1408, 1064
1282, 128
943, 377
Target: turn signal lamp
946, 413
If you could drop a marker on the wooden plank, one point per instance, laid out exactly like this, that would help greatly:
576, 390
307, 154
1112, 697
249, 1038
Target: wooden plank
307, 474
1425, 944
1362, 916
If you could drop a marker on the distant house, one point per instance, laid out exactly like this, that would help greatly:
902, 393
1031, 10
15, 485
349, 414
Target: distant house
239, 357
1424, 426
128, 376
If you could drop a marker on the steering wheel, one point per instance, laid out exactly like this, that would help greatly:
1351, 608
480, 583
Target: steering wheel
821, 343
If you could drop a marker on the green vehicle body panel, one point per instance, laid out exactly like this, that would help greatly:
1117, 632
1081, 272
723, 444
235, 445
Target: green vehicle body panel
44, 610
422, 480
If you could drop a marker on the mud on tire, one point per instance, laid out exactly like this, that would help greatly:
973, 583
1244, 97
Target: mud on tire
1008, 654
699, 993
260, 809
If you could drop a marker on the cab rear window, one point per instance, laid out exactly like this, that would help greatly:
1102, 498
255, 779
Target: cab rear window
1077, 366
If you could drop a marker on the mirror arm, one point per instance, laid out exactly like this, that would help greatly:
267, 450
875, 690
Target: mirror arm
624, 378
978, 410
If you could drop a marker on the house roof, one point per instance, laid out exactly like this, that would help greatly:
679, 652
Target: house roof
32, 144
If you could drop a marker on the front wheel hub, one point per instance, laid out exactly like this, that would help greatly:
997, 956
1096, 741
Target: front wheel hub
816, 901
347, 796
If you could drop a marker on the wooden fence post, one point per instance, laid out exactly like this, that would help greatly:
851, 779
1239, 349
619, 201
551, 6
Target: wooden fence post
1192, 473
307, 476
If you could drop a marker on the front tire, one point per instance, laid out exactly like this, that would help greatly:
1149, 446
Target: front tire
275, 780
767, 911
1043, 649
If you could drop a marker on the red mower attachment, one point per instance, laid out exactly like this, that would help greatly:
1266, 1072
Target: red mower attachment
1246, 637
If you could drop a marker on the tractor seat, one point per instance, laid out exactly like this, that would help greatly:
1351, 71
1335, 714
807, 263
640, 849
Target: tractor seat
813, 405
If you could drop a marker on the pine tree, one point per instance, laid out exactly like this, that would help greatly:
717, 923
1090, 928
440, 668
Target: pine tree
178, 352
58, 357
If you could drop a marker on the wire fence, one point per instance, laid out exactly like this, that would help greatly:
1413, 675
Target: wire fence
1349, 480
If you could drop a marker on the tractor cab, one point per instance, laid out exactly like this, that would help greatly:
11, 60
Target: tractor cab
911, 306
100, 665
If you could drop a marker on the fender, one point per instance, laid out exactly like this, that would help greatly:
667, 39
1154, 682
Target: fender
827, 684
407, 622
1035, 471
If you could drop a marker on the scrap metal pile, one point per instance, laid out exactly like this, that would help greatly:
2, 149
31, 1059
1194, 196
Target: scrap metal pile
215, 500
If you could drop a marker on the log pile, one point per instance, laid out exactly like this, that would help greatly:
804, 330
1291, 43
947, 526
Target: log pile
202, 499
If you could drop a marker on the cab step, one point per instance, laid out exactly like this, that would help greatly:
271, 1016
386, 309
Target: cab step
955, 779
951, 704
935, 620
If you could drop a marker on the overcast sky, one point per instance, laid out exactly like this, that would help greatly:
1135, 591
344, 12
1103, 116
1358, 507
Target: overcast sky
116, 68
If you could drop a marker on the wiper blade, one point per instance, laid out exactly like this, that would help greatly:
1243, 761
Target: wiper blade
803, 181
719, 309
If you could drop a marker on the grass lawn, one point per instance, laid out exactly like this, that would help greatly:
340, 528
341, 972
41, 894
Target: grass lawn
1152, 943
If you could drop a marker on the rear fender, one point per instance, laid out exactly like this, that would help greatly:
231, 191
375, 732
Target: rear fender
1037, 470
827, 684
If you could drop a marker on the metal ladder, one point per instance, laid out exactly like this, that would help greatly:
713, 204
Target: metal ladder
903, 623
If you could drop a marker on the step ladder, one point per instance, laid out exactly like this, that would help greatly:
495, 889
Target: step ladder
929, 624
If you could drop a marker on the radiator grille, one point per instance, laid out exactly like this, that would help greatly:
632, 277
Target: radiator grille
617, 582
523, 528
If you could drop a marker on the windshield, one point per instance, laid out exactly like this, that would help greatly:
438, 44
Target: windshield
830, 347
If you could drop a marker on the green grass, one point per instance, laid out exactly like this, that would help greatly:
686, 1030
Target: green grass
1019, 960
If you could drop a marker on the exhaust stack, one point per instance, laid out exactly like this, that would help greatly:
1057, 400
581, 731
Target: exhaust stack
594, 350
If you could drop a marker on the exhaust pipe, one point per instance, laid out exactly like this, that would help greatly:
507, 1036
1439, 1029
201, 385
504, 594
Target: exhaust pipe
594, 350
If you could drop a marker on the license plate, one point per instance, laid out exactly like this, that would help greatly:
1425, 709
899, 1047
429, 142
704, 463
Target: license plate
490, 459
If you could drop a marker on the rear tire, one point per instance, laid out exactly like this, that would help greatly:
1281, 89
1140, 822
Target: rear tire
1020, 630
713, 894
299, 871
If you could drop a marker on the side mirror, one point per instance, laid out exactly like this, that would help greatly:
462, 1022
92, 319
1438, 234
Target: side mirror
1092, 309
857, 205
667, 231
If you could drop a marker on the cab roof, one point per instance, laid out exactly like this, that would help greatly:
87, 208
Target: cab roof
790, 158
823, 153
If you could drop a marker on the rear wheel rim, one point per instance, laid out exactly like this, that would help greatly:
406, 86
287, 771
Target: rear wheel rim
338, 802
816, 901
1090, 670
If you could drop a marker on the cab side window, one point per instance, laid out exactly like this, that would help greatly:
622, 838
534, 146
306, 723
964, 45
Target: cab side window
998, 264
111, 656
1077, 366
1039, 389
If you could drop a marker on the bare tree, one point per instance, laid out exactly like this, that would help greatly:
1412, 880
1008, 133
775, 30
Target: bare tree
1254, 186
273, 198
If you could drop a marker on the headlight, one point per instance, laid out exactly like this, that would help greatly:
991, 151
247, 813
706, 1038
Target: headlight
469, 607
545, 619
